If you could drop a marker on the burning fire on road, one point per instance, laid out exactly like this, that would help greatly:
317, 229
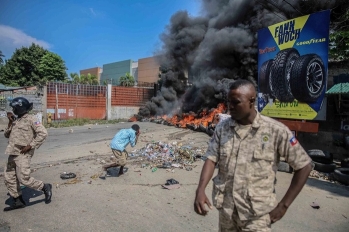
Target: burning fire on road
201, 56
204, 121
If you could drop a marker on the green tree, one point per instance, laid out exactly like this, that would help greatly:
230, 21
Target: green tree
1, 58
88, 79
74, 78
32, 65
52, 67
339, 36
127, 80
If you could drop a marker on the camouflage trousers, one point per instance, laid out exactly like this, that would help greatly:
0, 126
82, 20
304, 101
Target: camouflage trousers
17, 171
233, 223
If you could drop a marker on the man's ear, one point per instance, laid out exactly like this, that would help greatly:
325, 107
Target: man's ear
252, 100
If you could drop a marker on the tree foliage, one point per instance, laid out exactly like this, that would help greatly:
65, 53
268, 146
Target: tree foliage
339, 35
83, 79
127, 80
1, 58
31, 66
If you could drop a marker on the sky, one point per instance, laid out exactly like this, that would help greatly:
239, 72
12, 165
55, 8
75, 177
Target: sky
89, 33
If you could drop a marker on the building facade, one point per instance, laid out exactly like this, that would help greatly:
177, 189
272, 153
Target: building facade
145, 70
97, 71
113, 71
148, 70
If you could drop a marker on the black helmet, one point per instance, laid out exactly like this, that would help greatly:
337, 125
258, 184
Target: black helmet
20, 105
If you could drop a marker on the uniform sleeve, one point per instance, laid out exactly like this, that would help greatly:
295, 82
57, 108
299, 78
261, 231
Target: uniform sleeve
8, 132
212, 152
133, 139
292, 151
40, 133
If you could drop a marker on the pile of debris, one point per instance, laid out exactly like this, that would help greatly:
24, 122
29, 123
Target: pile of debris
320, 175
167, 155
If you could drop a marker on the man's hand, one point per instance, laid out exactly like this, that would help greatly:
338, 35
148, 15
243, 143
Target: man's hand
200, 201
26, 149
277, 213
11, 117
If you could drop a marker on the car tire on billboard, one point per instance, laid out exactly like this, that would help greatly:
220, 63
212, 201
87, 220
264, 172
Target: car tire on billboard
264, 72
280, 71
308, 78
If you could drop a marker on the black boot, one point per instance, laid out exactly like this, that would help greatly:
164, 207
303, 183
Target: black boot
47, 189
18, 203
22, 200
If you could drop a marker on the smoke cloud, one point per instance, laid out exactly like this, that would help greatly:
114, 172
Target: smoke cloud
202, 56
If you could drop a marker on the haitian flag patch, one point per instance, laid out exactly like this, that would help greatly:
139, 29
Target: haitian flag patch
293, 141
37, 123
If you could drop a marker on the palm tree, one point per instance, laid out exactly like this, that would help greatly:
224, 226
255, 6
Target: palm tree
127, 80
1, 57
75, 78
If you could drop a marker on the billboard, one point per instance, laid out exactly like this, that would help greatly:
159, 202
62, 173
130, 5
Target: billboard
292, 67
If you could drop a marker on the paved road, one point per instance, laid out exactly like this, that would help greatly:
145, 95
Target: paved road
60, 139
136, 201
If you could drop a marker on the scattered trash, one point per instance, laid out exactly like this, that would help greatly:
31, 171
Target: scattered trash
95, 176
73, 181
167, 155
66, 175
57, 186
344, 215
188, 168
315, 205
89, 182
71, 131
321, 175
171, 181
154, 169
166, 165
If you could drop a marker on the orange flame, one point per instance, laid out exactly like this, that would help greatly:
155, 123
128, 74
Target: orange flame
204, 118
132, 119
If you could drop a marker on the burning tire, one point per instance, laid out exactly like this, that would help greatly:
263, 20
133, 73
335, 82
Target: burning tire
307, 80
279, 78
264, 73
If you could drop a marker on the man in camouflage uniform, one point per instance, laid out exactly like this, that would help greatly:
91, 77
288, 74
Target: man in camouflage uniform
247, 150
25, 134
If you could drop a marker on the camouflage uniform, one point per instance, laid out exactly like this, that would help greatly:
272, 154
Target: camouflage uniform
244, 189
26, 130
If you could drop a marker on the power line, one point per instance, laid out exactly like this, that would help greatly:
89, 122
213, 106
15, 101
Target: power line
293, 7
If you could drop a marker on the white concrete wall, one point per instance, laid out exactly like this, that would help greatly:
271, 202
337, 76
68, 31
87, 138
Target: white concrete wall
108, 102
122, 112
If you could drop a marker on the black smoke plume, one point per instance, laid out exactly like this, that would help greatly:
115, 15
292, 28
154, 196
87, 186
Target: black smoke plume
201, 56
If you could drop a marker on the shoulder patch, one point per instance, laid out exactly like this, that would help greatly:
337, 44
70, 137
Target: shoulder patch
293, 141
37, 123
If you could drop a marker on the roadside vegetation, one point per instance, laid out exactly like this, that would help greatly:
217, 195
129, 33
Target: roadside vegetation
81, 122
